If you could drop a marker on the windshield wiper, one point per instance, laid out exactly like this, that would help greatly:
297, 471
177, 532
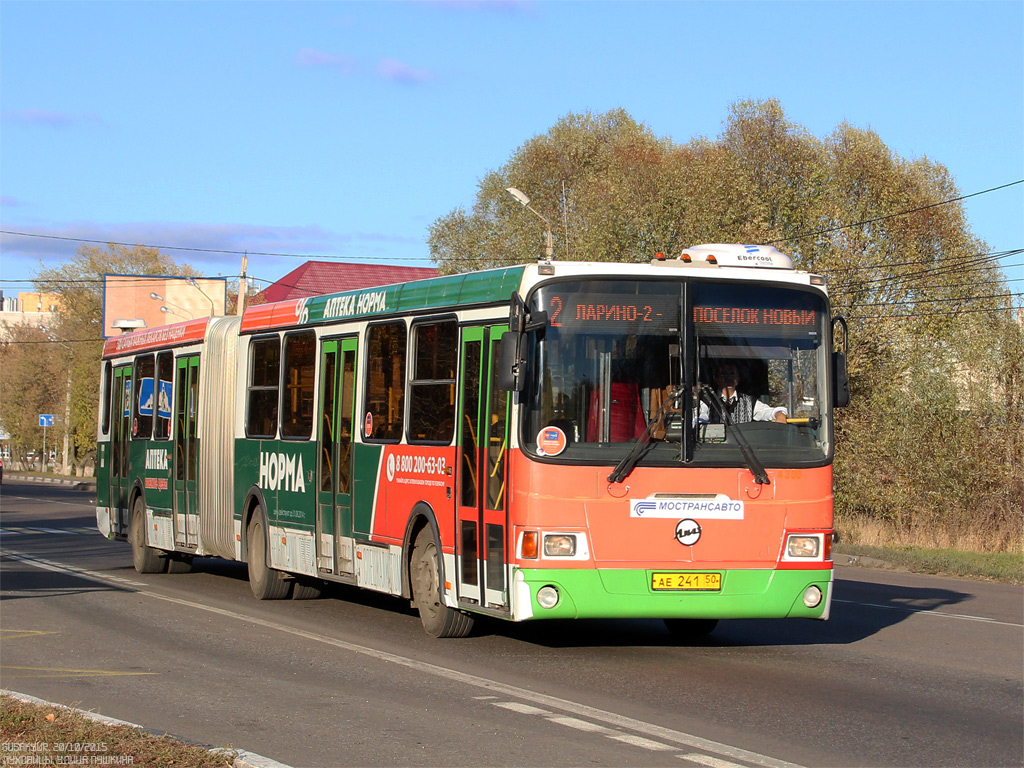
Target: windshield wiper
632, 458
753, 464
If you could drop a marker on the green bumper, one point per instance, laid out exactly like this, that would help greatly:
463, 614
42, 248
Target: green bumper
626, 593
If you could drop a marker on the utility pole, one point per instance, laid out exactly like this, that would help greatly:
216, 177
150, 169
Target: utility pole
242, 285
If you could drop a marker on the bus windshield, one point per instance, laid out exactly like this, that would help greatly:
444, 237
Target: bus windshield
607, 370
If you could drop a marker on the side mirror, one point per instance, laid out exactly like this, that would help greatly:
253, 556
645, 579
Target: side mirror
510, 362
840, 381
840, 377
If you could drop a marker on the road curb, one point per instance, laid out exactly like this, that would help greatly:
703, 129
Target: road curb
83, 484
859, 561
243, 759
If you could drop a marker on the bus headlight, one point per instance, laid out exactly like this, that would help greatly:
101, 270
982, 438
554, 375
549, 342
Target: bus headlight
798, 545
559, 545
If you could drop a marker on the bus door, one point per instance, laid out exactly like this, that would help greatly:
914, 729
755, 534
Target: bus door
334, 475
186, 450
482, 522
120, 439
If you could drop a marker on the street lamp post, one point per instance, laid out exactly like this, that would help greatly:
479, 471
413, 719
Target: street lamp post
524, 201
194, 284
65, 464
157, 297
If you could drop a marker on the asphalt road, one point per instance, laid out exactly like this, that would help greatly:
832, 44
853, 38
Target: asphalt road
910, 671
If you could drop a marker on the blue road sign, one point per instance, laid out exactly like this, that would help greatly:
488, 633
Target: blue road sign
45, 419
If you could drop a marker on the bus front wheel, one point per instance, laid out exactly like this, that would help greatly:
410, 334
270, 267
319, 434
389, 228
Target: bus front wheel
145, 558
265, 582
437, 618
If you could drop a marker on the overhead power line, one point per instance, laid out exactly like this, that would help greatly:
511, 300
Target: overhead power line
311, 257
934, 261
840, 227
193, 249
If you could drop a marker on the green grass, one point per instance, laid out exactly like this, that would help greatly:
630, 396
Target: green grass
1005, 567
42, 734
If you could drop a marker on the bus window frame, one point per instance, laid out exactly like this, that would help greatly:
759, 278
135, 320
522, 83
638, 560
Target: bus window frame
251, 388
165, 432
105, 395
412, 345
827, 458
138, 432
284, 387
367, 386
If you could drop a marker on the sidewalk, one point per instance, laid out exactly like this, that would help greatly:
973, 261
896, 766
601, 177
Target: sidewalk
243, 759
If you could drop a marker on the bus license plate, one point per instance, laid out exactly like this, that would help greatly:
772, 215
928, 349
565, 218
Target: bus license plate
707, 582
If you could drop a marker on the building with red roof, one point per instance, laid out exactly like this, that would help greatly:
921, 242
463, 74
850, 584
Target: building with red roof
315, 278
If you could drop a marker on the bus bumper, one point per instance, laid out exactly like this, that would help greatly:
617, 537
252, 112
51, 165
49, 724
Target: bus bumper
605, 593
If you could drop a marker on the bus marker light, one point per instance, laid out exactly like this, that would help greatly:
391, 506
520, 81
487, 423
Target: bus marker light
812, 597
528, 549
559, 545
547, 597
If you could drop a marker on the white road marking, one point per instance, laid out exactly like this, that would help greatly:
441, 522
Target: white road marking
15, 530
708, 760
522, 709
492, 686
930, 612
579, 725
48, 501
49, 565
639, 741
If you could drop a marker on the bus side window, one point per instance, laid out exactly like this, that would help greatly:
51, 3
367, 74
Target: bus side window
432, 388
162, 395
385, 381
108, 392
264, 375
145, 398
297, 403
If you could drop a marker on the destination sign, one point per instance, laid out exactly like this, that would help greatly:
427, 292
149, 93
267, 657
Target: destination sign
757, 321
622, 313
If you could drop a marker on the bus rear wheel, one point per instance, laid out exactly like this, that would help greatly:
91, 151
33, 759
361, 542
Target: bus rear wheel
179, 564
690, 629
307, 589
265, 582
145, 558
425, 576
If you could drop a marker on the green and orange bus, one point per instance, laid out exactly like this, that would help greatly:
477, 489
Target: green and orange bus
537, 441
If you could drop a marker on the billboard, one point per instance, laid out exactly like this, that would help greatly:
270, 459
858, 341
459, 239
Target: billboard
148, 301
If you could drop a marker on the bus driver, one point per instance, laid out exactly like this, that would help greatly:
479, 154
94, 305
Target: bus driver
741, 407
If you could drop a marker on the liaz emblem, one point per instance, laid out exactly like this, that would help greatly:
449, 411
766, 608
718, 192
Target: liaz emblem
687, 532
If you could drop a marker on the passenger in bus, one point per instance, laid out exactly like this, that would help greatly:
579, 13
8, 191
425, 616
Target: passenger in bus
739, 406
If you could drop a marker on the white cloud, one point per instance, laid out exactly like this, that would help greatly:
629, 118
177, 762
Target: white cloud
311, 57
400, 72
46, 117
213, 249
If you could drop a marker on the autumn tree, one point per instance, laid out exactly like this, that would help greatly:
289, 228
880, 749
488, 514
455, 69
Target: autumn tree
32, 382
934, 431
38, 366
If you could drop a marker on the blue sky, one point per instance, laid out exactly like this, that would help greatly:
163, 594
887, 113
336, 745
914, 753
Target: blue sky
344, 129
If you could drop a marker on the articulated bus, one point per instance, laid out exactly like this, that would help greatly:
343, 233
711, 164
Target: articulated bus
540, 441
